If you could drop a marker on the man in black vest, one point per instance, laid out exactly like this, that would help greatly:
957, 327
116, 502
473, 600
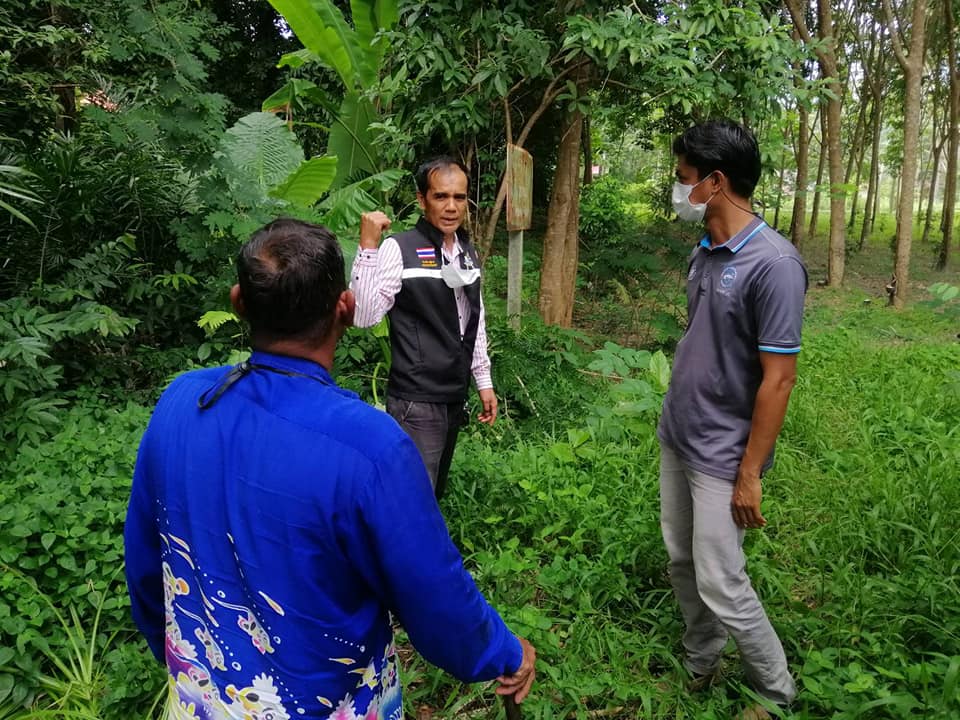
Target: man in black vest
427, 281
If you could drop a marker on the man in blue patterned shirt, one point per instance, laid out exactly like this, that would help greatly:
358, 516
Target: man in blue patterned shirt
276, 520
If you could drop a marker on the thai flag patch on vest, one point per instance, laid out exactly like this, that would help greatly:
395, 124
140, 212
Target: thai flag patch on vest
427, 256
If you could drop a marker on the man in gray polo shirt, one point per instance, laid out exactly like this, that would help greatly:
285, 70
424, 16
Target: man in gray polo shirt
733, 373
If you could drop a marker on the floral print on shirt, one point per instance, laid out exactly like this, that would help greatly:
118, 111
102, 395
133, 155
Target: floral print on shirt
195, 685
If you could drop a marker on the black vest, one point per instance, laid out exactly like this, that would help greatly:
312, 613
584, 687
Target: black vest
430, 361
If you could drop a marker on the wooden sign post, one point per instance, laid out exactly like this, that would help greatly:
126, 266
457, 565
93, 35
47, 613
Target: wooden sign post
519, 215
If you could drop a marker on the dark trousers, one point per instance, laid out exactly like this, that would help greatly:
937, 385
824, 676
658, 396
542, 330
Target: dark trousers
433, 427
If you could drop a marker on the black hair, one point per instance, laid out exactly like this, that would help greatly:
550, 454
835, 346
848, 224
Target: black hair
291, 275
725, 146
441, 162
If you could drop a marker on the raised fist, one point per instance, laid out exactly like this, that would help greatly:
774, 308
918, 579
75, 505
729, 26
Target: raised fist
372, 226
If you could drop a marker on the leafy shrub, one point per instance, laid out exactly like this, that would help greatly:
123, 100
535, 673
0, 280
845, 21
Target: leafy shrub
535, 371
62, 505
946, 298
38, 332
56, 336
603, 212
93, 190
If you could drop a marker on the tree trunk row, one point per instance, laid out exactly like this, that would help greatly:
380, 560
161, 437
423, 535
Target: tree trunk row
953, 142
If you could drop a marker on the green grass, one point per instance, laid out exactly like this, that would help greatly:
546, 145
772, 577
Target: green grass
858, 567
556, 512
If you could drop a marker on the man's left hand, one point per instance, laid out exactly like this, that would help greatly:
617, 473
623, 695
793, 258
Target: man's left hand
489, 412
747, 494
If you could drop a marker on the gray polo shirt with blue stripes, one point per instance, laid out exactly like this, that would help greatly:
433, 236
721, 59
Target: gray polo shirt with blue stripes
743, 298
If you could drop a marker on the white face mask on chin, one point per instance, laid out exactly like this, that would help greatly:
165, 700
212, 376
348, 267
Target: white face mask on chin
686, 210
461, 271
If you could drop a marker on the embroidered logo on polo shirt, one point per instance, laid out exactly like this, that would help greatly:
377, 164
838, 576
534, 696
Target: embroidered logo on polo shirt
728, 276
427, 257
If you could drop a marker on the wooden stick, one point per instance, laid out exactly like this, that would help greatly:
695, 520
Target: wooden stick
510, 706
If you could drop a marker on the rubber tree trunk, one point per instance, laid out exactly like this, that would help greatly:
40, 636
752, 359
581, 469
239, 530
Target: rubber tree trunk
855, 160
925, 172
877, 182
571, 260
67, 117
799, 213
587, 152
797, 226
932, 190
856, 185
561, 241
857, 144
870, 205
912, 64
838, 201
873, 187
780, 177
821, 167
953, 137
826, 50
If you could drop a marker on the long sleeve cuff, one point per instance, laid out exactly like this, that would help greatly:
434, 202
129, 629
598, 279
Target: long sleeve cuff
516, 650
482, 376
366, 258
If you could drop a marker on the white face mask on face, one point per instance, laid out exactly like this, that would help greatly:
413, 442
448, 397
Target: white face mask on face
682, 206
461, 271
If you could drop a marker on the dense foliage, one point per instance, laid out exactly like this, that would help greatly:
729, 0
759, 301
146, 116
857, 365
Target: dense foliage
558, 520
141, 143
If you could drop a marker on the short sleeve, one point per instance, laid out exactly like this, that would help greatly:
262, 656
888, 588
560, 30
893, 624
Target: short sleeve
779, 306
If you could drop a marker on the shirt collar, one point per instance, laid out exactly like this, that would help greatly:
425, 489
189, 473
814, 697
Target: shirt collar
454, 250
293, 364
736, 243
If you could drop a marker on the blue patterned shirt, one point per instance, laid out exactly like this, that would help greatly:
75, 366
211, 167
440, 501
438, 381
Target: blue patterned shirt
269, 535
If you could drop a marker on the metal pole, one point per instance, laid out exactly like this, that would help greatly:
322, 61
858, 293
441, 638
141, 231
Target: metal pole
514, 279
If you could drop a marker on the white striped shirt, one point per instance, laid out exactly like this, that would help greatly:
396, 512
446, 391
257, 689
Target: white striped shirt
376, 278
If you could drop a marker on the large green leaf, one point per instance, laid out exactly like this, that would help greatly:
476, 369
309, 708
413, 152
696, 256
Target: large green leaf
660, 369
351, 139
259, 152
14, 188
308, 182
369, 17
322, 29
288, 95
297, 59
299, 92
212, 320
384, 181
342, 208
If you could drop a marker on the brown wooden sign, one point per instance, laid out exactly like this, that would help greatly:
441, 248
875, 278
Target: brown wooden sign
519, 188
